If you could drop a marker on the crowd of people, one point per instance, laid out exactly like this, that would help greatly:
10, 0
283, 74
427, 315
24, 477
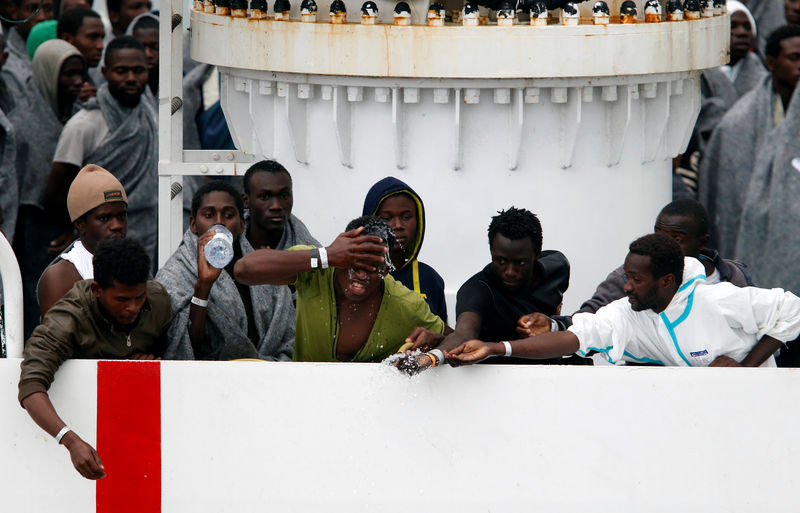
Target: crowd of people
78, 116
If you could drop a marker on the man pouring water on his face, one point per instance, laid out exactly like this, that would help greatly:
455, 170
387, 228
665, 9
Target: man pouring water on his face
216, 317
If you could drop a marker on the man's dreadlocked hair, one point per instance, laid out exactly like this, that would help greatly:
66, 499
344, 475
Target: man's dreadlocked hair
373, 226
515, 224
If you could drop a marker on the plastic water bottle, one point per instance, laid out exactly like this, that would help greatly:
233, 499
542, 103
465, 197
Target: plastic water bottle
219, 250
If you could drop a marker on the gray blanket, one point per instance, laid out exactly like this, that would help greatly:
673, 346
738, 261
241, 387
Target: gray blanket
130, 152
769, 240
294, 233
720, 92
9, 191
727, 163
38, 129
751, 72
193, 103
718, 95
18, 66
769, 15
226, 323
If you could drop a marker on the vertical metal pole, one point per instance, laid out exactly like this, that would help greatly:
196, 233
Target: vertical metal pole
170, 128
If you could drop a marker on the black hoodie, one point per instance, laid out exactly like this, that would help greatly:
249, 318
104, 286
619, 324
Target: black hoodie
414, 274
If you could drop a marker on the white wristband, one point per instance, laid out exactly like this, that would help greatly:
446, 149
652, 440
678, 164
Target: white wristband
438, 354
61, 434
508, 348
323, 257
553, 326
202, 303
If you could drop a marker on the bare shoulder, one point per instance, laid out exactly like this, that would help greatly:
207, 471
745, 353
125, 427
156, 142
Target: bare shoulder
56, 281
61, 275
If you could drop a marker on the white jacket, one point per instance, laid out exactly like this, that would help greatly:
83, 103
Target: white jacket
701, 323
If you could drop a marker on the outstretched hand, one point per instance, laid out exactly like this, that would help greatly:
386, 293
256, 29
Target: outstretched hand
533, 324
424, 339
471, 351
413, 363
351, 250
84, 458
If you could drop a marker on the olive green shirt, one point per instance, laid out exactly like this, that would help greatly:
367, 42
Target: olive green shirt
317, 326
75, 328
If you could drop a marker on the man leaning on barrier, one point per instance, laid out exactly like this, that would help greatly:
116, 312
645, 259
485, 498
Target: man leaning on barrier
494, 304
349, 308
669, 317
117, 315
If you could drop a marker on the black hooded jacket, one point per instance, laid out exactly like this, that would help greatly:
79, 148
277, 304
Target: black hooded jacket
414, 274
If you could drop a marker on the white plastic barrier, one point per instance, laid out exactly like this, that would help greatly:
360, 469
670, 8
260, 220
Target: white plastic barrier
243, 437
11, 299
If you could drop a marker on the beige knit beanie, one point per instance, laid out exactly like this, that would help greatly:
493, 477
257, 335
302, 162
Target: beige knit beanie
92, 187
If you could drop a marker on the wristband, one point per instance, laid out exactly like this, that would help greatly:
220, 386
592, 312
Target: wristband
315, 258
434, 362
202, 303
508, 348
553, 326
323, 258
436, 355
61, 434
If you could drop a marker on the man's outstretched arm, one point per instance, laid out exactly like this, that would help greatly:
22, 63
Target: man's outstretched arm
84, 458
276, 267
468, 326
540, 347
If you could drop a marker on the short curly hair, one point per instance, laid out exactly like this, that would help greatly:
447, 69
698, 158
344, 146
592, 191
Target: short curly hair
666, 256
122, 260
214, 186
71, 21
266, 166
773, 46
120, 43
693, 209
517, 223
374, 226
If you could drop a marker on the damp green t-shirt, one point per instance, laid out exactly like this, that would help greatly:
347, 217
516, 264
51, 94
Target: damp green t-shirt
317, 326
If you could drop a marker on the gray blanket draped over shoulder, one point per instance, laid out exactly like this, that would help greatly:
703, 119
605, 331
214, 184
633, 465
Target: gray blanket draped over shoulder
727, 163
751, 72
37, 131
769, 15
295, 233
130, 153
18, 66
9, 191
720, 92
226, 323
768, 234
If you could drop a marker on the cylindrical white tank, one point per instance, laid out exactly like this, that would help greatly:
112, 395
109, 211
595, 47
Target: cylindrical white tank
576, 123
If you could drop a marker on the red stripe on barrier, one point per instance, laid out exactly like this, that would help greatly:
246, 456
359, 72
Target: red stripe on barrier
129, 436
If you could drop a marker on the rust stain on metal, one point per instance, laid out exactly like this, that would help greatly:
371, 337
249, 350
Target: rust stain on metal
420, 51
